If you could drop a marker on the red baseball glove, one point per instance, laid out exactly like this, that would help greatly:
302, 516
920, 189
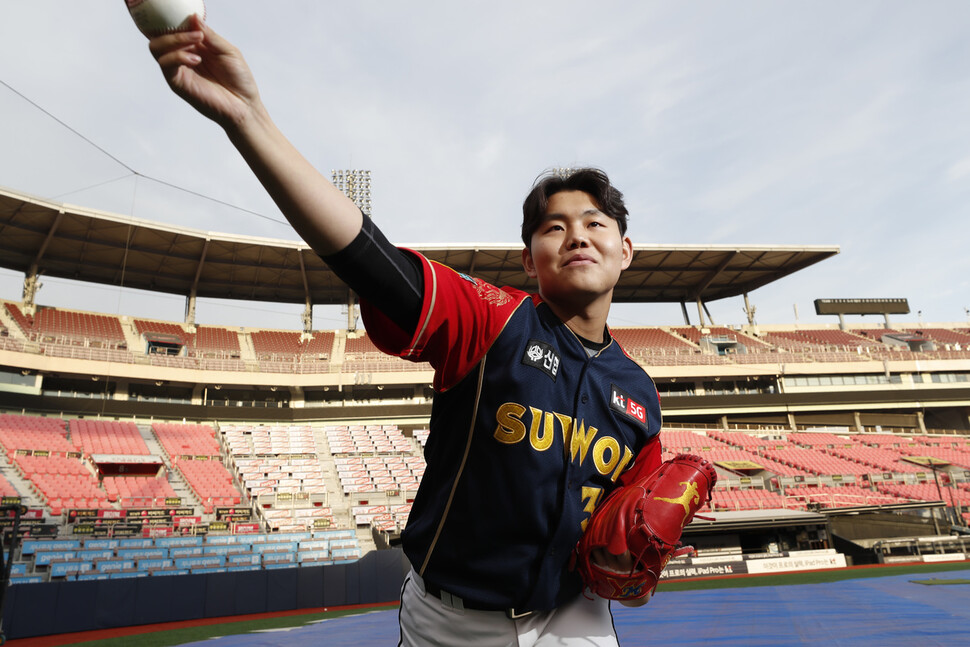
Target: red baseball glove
645, 518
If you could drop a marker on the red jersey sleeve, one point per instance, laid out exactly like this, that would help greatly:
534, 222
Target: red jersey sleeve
460, 319
645, 464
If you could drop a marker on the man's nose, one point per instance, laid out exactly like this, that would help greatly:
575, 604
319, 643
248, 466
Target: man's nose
577, 238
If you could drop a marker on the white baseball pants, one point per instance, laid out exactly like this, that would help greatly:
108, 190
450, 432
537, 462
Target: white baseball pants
428, 620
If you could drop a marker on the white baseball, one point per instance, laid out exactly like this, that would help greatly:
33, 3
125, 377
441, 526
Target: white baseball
157, 17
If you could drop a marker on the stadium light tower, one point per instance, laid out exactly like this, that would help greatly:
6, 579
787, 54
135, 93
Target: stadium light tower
355, 184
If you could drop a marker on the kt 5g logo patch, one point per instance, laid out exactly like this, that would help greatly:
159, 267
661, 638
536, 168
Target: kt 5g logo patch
621, 401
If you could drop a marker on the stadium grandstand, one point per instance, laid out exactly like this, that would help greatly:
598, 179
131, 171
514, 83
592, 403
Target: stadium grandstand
132, 447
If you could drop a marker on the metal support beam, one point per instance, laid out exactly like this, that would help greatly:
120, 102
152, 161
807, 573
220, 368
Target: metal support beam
749, 310
351, 311
307, 318
190, 310
713, 273
31, 285
47, 239
307, 297
31, 279
701, 308
471, 263
194, 290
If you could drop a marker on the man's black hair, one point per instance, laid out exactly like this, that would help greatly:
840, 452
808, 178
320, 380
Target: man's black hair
591, 181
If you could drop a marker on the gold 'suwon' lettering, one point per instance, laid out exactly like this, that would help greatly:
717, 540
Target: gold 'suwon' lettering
580, 442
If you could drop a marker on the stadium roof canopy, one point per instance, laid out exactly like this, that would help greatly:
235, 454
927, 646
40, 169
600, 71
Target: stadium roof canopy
47, 238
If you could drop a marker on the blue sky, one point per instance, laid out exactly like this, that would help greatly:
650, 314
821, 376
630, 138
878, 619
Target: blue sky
801, 122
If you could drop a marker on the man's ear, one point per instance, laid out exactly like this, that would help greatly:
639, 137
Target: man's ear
627, 252
530, 267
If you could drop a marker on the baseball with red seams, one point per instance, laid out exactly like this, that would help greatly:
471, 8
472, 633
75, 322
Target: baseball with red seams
157, 17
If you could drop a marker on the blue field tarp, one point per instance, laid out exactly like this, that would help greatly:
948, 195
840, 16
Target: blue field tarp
885, 611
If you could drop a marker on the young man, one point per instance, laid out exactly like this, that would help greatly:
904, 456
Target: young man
538, 414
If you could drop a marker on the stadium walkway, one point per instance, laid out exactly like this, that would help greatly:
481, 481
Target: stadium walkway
886, 611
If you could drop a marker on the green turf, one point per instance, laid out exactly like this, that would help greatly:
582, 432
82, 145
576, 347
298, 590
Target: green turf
193, 634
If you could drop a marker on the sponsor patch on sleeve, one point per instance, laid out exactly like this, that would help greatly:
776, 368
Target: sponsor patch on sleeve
542, 356
621, 402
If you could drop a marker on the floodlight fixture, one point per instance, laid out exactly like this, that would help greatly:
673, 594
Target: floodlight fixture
355, 184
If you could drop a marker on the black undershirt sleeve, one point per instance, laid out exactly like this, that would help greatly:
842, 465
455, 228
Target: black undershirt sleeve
387, 277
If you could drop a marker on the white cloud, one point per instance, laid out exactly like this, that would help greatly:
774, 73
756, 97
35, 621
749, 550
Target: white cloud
959, 170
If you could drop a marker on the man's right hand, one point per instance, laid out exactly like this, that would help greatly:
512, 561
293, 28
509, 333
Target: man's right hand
208, 72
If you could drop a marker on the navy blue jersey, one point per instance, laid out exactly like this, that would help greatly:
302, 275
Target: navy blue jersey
529, 432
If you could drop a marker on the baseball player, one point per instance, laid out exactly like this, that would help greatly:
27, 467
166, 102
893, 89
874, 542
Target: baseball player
538, 414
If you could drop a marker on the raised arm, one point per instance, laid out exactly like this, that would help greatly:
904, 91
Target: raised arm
211, 75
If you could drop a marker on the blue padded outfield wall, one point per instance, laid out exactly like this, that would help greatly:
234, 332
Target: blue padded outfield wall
67, 607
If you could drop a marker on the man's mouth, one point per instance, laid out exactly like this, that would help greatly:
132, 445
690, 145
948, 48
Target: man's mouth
579, 259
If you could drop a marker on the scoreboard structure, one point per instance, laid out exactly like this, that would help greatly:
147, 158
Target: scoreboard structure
842, 307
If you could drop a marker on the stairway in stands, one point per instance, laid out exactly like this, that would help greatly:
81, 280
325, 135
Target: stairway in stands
338, 501
175, 479
22, 485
